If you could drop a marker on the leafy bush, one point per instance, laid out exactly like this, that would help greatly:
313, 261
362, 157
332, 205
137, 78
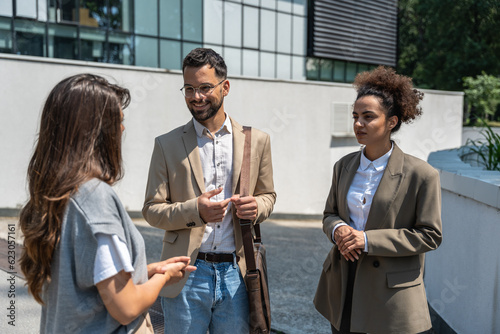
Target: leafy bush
482, 94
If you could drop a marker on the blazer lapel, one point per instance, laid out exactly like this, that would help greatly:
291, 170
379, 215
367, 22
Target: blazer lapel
191, 146
238, 143
387, 190
345, 181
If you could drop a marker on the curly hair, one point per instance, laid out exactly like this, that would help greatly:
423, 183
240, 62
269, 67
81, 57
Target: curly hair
396, 93
202, 56
79, 138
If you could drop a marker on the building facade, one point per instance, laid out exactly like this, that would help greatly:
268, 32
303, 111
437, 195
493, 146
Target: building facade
323, 40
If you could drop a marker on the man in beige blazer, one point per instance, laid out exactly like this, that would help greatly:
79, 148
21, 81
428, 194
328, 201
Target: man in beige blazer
404, 223
192, 194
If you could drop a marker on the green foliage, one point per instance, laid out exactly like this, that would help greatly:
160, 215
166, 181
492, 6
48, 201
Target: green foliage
487, 150
482, 95
443, 41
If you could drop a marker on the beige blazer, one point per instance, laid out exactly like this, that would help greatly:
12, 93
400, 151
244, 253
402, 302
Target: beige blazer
176, 180
404, 222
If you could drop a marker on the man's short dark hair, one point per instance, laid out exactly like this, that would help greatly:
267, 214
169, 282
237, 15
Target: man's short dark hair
202, 56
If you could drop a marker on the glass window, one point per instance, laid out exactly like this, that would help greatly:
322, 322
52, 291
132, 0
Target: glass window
232, 24
192, 20
267, 30
232, 57
250, 27
145, 18
350, 72
339, 71
284, 33
298, 68
67, 11
42, 10
267, 65
5, 36
92, 43
93, 14
285, 6
26, 8
6, 8
187, 47
146, 51
362, 68
170, 19
251, 2
299, 35
52, 10
216, 48
300, 7
170, 55
212, 18
30, 38
284, 67
62, 42
271, 4
312, 68
326, 70
120, 15
251, 63
120, 50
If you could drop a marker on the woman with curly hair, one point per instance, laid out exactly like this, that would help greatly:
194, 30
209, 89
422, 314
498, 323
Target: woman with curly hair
83, 258
382, 214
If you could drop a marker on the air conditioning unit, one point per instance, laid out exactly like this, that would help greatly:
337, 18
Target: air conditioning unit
341, 120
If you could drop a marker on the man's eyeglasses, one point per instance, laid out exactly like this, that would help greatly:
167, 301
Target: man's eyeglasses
203, 89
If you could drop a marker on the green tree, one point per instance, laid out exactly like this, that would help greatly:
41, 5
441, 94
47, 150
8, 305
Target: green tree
482, 95
443, 41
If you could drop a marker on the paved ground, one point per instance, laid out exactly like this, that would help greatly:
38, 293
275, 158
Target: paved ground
295, 254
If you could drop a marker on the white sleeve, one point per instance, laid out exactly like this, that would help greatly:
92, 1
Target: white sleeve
112, 257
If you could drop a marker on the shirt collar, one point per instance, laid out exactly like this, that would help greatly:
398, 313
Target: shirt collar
203, 131
378, 164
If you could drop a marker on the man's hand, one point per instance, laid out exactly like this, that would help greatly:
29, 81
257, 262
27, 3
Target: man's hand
212, 212
246, 207
350, 242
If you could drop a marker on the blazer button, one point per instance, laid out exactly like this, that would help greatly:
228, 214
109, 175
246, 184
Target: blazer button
190, 224
376, 264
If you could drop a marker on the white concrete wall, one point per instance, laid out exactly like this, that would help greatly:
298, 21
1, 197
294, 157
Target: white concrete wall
462, 276
295, 114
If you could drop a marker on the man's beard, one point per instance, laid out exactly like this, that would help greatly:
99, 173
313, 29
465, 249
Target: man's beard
211, 112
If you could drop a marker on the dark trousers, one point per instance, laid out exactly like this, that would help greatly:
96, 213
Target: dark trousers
345, 324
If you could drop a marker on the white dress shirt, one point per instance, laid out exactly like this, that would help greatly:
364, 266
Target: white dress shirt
216, 155
363, 188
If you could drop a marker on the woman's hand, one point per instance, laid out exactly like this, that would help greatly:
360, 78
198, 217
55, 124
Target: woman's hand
350, 242
175, 267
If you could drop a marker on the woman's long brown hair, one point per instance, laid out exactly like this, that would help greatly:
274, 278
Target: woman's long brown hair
79, 139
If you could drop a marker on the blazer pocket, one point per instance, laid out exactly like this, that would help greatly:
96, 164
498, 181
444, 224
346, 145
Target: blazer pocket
404, 279
170, 237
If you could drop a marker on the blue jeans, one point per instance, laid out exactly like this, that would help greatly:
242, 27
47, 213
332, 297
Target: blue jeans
214, 298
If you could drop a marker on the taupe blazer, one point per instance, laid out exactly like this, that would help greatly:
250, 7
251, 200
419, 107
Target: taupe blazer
404, 222
176, 180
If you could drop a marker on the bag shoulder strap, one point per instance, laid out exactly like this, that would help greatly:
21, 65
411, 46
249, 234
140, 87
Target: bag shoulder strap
246, 225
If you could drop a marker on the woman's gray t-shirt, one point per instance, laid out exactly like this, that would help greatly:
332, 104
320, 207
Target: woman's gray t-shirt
72, 301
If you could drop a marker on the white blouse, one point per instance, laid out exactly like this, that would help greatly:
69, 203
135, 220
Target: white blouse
362, 189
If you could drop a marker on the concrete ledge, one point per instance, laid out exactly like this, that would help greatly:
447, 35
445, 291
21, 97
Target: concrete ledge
463, 179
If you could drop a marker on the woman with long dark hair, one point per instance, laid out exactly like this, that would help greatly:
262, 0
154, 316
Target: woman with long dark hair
383, 213
83, 258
